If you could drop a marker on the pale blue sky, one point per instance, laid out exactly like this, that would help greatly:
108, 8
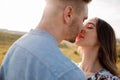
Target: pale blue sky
23, 15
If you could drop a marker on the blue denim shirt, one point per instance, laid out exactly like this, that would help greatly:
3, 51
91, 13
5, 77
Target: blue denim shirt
36, 56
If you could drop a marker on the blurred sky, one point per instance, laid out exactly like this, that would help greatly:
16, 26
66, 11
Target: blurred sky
23, 15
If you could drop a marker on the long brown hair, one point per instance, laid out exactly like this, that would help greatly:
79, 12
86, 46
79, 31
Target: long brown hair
107, 52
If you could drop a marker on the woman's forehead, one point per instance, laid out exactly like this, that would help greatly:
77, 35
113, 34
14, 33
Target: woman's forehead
91, 21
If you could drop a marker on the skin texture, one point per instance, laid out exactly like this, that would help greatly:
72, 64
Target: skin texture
88, 35
98, 47
64, 23
87, 40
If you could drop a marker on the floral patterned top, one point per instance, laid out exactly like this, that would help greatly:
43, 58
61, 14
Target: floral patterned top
103, 75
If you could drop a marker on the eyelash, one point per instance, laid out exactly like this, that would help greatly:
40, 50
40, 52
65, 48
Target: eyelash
90, 27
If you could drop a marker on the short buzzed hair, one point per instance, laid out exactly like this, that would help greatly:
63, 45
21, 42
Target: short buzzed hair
75, 1
77, 4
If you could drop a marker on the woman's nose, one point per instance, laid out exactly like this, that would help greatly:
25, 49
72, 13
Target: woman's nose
83, 31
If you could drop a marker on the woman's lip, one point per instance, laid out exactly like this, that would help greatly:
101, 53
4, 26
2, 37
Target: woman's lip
79, 36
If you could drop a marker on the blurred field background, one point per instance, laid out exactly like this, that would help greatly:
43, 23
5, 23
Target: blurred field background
70, 50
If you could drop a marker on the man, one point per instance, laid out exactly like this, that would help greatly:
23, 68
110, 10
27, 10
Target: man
36, 56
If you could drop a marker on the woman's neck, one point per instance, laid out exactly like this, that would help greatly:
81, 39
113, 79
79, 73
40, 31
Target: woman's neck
90, 63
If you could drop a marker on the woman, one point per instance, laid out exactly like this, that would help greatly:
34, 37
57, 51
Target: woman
98, 49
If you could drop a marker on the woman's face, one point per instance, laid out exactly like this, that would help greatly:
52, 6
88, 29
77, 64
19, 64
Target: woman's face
88, 35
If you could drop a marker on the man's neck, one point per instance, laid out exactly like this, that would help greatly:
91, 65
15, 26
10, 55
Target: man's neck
54, 30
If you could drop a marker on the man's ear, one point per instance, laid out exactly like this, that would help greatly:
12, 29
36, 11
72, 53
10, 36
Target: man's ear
68, 14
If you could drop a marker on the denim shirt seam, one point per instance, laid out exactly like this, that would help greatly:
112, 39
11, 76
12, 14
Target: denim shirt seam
30, 53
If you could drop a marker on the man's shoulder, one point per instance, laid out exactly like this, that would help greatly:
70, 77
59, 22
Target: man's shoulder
44, 50
36, 40
63, 67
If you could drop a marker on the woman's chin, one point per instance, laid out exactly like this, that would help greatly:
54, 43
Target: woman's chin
77, 42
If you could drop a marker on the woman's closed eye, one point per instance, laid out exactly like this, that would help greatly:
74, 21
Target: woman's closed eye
90, 27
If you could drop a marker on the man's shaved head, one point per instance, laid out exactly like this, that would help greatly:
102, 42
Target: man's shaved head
65, 15
61, 4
